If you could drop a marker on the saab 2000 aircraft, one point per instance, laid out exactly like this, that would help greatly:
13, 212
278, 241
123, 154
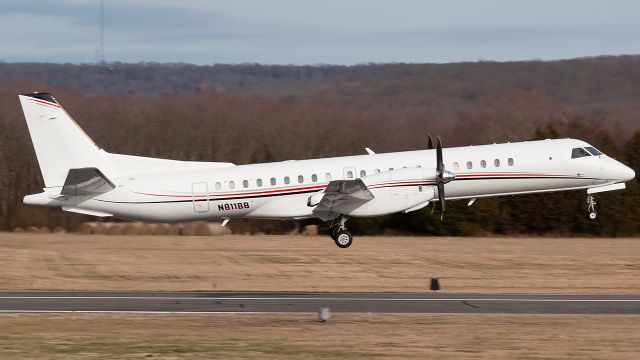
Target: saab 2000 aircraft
81, 177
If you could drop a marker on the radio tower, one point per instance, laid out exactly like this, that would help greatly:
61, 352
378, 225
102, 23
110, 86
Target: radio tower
101, 50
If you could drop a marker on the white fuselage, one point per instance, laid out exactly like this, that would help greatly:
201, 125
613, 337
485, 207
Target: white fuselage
281, 190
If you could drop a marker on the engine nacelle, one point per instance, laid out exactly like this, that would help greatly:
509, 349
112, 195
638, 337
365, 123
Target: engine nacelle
395, 191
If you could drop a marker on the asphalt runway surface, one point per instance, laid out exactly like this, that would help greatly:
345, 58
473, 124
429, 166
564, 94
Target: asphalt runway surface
274, 302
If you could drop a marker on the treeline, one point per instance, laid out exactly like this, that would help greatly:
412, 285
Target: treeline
254, 113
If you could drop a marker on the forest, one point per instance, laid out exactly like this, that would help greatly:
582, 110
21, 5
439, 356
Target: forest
251, 113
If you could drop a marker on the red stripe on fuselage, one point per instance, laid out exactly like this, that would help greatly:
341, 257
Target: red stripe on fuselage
240, 193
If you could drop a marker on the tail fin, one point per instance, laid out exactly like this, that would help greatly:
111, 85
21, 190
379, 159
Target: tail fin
60, 144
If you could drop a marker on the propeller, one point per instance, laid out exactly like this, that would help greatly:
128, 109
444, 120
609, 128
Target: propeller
442, 176
430, 147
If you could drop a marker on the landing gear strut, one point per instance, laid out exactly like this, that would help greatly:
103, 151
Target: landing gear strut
591, 202
340, 234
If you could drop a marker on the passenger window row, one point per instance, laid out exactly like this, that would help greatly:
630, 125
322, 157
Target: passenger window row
287, 180
273, 181
483, 164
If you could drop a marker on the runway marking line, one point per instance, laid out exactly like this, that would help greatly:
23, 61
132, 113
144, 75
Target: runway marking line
303, 298
141, 312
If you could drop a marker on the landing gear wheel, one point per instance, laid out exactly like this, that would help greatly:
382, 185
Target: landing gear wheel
343, 239
333, 230
591, 207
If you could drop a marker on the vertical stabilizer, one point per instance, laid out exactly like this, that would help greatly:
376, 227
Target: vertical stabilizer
59, 142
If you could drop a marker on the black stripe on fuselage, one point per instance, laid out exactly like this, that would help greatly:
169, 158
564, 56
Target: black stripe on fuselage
214, 198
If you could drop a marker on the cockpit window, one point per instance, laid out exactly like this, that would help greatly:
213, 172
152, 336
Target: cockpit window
578, 153
593, 151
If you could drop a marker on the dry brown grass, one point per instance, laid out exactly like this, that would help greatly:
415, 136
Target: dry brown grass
47, 261
299, 336
498, 265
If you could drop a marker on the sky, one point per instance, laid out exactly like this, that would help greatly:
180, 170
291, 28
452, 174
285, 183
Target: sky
316, 32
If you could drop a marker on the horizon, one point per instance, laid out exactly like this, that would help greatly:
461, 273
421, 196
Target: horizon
479, 61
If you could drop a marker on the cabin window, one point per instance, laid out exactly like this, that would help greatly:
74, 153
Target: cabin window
578, 153
456, 166
363, 173
232, 185
273, 181
218, 186
390, 168
287, 180
300, 179
593, 151
376, 171
404, 167
349, 174
469, 165
496, 162
259, 182
510, 161
245, 183
327, 176
483, 163
314, 178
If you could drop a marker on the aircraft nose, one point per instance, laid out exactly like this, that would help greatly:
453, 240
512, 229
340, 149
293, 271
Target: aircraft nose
628, 173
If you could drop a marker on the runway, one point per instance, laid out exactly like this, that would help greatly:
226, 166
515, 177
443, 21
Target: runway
273, 302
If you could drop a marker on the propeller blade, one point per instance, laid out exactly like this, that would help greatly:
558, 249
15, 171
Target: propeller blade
439, 163
429, 142
441, 199
440, 178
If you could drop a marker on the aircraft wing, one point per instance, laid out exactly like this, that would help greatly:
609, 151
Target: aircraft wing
342, 194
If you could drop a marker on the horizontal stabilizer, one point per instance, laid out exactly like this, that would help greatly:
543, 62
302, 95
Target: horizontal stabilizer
86, 182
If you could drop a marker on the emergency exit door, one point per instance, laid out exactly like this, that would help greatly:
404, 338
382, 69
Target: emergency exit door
200, 196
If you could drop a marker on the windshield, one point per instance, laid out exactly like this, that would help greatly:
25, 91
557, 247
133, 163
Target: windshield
593, 151
578, 153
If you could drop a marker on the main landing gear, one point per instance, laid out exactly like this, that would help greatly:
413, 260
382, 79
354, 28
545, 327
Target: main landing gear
340, 234
591, 202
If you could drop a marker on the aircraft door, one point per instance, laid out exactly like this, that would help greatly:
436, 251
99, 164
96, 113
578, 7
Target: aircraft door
200, 196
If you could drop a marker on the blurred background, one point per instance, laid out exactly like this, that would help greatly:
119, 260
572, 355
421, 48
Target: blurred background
250, 82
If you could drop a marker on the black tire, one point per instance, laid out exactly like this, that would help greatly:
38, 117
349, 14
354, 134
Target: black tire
343, 239
333, 231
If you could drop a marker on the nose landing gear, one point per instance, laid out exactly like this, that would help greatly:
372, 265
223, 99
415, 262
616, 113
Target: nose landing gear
591, 208
340, 234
